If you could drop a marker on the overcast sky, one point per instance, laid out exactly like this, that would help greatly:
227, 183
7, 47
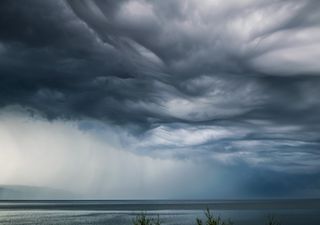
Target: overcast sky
161, 99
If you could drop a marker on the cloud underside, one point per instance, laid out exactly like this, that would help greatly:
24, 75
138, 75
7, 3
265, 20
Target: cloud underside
96, 165
233, 82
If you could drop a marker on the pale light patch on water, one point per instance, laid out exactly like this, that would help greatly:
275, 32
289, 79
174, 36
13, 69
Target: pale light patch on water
92, 217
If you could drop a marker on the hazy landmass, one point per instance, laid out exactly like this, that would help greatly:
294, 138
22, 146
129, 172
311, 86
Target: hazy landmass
22, 192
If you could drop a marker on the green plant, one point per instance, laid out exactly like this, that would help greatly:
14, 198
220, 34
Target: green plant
157, 221
272, 221
199, 222
143, 219
212, 220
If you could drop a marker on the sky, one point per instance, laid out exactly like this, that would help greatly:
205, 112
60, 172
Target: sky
138, 99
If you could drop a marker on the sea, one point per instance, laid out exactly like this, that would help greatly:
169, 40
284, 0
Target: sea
173, 212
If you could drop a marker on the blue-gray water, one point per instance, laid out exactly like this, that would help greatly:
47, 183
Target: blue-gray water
254, 212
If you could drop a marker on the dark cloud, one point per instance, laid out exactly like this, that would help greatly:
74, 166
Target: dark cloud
218, 79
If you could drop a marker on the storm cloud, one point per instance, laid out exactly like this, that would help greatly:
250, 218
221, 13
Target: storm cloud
230, 83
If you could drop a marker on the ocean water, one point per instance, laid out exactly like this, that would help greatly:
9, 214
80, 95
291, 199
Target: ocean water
254, 212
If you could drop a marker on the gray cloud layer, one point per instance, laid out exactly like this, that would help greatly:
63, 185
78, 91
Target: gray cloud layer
235, 82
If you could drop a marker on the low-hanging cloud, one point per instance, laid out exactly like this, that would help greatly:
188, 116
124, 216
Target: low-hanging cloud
89, 160
56, 154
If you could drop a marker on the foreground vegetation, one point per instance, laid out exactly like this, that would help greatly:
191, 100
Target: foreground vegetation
143, 219
210, 219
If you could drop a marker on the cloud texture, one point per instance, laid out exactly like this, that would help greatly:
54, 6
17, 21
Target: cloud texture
232, 83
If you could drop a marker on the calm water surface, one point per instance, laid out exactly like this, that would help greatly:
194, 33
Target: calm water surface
289, 212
